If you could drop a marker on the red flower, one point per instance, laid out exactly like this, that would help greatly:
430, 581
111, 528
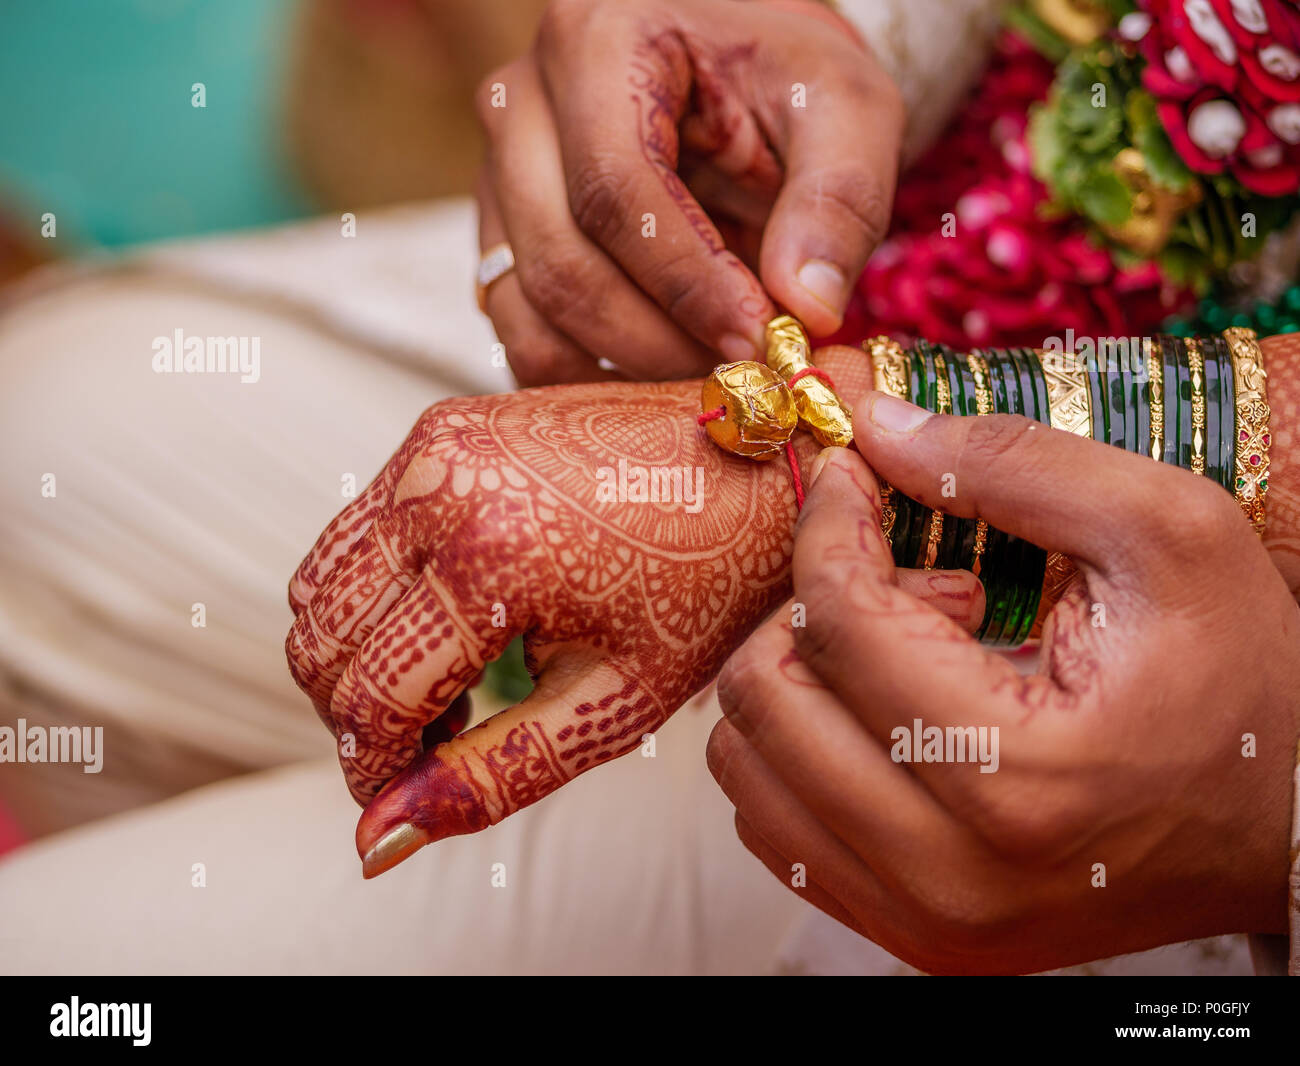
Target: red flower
974, 260
1226, 78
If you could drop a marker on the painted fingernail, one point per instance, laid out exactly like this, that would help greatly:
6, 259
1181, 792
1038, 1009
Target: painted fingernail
822, 457
738, 349
825, 283
398, 843
894, 415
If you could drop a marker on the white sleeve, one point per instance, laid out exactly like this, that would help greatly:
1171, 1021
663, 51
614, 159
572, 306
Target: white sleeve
934, 50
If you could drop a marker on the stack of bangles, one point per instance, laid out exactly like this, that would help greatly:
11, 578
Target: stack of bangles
1196, 403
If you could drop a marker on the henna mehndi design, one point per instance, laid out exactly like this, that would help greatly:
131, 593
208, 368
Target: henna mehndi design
489, 522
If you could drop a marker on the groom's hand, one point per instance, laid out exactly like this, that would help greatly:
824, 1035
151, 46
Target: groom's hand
664, 169
1138, 785
528, 514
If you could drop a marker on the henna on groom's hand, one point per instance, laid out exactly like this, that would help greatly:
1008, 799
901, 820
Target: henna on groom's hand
1135, 791
665, 169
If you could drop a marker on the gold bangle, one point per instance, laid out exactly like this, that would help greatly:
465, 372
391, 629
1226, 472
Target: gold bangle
942, 406
1252, 435
1069, 399
1156, 375
1069, 402
889, 369
1196, 364
979, 369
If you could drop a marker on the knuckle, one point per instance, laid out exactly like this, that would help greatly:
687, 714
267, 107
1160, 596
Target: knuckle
558, 20
824, 635
599, 193
1199, 515
678, 287
1026, 826
743, 680
858, 198
997, 443
1208, 513
559, 284
538, 361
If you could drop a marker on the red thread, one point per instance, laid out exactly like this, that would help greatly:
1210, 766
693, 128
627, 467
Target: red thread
709, 416
794, 473
812, 371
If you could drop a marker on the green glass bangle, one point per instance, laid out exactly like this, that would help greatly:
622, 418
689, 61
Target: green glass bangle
1184, 394
1112, 390
919, 529
1100, 405
1169, 362
1001, 405
906, 523
963, 404
1139, 390
1227, 413
964, 528
995, 571
919, 523
1026, 559
1033, 566
1213, 409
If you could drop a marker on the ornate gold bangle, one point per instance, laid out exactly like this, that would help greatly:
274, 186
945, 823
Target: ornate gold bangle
1068, 398
889, 369
1252, 435
1069, 402
1196, 365
1156, 374
943, 406
979, 369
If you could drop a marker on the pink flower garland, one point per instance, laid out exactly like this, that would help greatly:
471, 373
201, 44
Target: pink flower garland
985, 264
1226, 78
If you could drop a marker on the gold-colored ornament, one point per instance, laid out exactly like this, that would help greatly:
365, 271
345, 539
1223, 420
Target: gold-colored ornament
1069, 401
943, 406
1253, 436
1196, 367
758, 410
979, 369
1078, 21
1156, 208
1156, 374
889, 369
820, 409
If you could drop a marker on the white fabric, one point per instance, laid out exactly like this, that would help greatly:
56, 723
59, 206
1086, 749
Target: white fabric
934, 50
632, 869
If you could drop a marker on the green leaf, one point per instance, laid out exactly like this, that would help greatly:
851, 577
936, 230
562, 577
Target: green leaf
1164, 164
1105, 199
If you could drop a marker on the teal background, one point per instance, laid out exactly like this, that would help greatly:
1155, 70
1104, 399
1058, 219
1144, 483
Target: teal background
96, 123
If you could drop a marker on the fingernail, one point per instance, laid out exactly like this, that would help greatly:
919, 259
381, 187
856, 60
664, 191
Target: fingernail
822, 457
398, 843
738, 349
894, 415
824, 282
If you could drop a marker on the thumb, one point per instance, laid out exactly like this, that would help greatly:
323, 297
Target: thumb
841, 158
1046, 486
510, 761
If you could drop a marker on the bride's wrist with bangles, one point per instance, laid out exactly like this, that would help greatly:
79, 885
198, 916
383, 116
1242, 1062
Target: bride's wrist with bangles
1201, 404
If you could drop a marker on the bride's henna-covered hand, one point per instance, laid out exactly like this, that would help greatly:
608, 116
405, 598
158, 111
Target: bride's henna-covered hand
491, 521
651, 160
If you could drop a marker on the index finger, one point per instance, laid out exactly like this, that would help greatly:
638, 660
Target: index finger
619, 141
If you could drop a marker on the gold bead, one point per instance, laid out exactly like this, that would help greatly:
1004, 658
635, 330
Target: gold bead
820, 409
758, 416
